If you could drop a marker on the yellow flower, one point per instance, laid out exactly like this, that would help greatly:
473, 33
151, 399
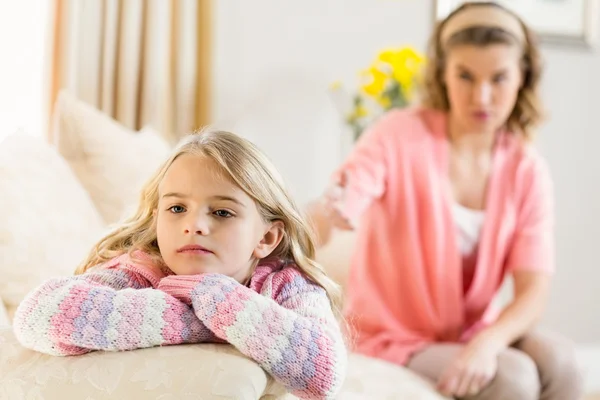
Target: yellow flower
376, 80
405, 64
361, 111
387, 56
358, 112
335, 85
384, 102
389, 82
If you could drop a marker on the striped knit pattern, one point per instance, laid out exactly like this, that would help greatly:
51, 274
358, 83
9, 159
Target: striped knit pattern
111, 308
282, 321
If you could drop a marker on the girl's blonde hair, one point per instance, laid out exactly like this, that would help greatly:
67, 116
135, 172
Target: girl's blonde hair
528, 112
254, 173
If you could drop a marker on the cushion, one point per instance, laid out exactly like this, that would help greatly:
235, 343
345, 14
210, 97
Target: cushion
49, 222
369, 378
206, 371
111, 161
335, 256
4, 321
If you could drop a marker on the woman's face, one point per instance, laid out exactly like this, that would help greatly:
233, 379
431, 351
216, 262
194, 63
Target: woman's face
482, 83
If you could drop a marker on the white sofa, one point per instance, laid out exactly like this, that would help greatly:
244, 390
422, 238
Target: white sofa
56, 201
4, 321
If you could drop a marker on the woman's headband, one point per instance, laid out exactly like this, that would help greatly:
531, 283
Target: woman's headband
483, 15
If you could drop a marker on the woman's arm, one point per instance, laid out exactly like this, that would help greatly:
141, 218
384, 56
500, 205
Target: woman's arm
357, 182
530, 258
108, 309
530, 295
295, 337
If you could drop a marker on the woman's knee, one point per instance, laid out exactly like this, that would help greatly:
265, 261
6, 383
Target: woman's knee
561, 363
557, 363
517, 378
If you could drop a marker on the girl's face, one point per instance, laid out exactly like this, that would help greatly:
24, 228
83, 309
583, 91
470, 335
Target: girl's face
482, 85
206, 224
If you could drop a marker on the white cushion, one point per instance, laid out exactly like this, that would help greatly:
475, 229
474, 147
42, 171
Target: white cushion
111, 161
48, 221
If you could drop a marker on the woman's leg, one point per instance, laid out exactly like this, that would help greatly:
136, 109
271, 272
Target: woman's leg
516, 378
554, 356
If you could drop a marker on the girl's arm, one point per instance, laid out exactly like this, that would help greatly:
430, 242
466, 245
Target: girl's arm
294, 337
109, 309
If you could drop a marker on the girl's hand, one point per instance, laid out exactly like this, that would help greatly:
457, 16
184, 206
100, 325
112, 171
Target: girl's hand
473, 369
179, 286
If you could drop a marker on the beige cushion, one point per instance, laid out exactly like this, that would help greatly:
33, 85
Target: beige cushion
206, 371
111, 161
4, 321
336, 255
48, 222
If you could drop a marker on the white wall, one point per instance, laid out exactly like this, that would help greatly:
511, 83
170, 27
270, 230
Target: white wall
275, 59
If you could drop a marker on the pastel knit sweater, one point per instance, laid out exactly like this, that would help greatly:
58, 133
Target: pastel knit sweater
282, 321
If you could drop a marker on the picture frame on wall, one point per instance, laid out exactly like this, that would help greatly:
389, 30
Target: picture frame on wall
567, 22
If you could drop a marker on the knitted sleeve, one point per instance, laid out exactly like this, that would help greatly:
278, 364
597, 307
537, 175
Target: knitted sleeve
108, 309
289, 328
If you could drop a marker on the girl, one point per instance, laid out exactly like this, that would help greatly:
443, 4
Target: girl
216, 252
451, 197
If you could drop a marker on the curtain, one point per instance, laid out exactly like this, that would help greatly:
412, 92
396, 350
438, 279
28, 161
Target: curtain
143, 62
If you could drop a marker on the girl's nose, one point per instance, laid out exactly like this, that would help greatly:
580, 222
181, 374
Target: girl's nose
197, 225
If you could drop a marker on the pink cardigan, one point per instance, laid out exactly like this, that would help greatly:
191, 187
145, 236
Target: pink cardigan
405, 285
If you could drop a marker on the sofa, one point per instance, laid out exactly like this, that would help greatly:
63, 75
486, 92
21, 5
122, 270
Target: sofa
57, 200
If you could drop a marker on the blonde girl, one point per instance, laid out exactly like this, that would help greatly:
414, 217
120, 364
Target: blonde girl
217, 251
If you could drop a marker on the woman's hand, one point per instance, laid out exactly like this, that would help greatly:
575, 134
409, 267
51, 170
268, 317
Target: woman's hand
325, 213
333, 200
473, 369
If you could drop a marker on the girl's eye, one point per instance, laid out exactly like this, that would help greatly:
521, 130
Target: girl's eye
465, 77
223, 214
177, 209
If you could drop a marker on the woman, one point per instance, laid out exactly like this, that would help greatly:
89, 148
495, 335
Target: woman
451, 198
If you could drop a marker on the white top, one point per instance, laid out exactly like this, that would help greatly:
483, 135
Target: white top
468, 224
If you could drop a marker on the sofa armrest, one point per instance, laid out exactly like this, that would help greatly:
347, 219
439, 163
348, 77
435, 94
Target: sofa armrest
207, 371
